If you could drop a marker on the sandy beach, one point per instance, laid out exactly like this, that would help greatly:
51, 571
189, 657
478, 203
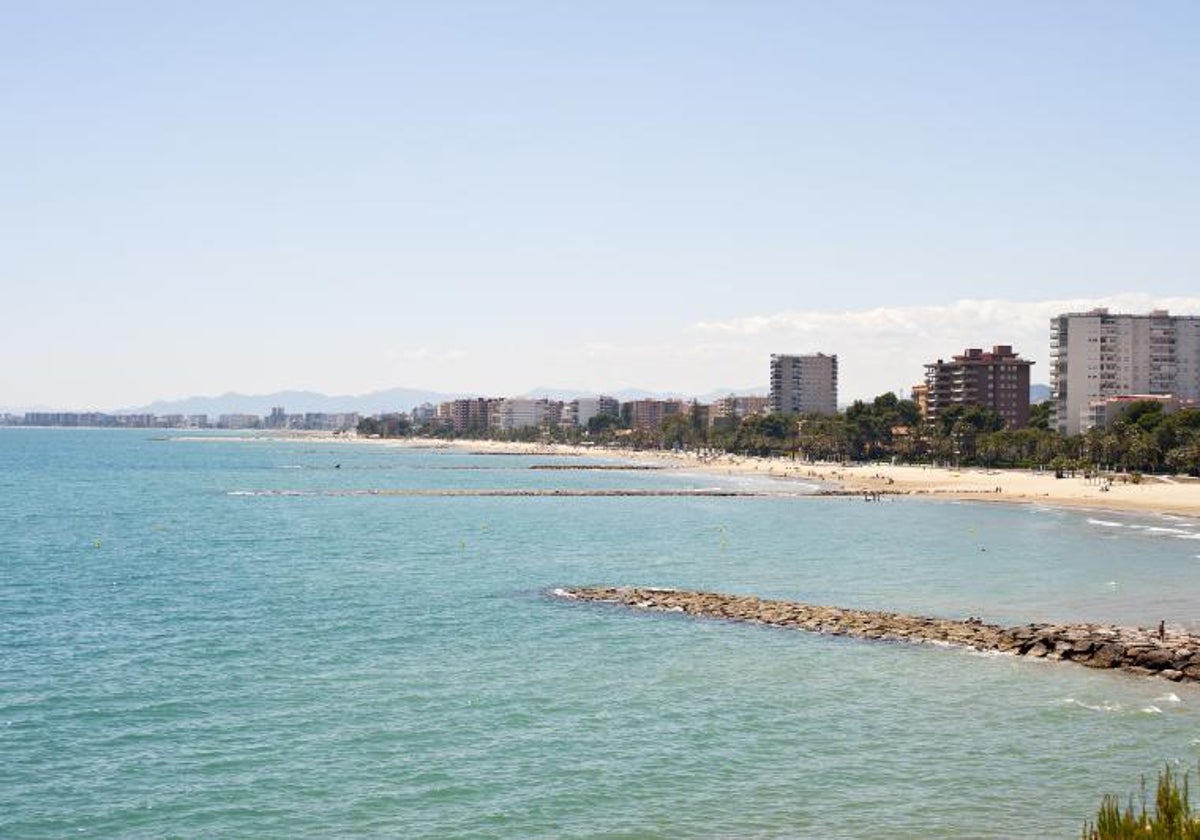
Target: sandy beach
1154, 494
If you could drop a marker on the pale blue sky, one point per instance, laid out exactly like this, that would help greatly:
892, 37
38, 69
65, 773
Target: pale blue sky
202, 197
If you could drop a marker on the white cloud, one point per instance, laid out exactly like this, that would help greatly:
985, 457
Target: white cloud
929, 320
886, 348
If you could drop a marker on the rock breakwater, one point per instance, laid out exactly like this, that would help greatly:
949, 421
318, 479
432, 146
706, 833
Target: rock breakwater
1175, 656
530, 492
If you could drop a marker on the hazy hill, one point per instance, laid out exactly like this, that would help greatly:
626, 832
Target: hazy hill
296, 402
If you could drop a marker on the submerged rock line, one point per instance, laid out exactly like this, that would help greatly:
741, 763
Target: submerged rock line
1174, 657
516, 492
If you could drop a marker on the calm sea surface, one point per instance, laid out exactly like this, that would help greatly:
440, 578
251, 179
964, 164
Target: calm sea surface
185, 652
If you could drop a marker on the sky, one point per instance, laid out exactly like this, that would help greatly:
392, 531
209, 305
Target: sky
485, 197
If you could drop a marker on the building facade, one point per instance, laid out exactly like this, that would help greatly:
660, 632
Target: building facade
510, 415
735, 409
998, 381
920, 396
648, 415
1102, 413
580, 412
467, 416
1096, 355
804, 384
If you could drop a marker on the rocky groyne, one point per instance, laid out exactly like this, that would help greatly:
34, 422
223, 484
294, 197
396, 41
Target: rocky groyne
1175, 656
518, 492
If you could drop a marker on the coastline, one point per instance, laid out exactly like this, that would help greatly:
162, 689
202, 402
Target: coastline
1153, 495
1163, 495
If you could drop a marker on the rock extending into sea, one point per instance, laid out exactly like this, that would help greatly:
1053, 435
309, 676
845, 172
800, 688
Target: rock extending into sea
1175, 657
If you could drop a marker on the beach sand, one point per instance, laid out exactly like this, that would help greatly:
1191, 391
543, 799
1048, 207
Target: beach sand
1155, 494
1177, 495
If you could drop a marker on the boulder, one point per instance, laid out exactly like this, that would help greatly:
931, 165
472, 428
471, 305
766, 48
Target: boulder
1106, 656
1156, 659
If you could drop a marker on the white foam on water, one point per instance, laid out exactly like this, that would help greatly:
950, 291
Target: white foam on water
1169, 697
1105, 523
1092, 707
1152, 710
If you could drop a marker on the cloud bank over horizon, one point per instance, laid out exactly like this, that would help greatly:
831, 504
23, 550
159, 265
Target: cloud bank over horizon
885, 348
879, 349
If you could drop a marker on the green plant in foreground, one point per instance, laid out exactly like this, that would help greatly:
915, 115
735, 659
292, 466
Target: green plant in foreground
1172, 819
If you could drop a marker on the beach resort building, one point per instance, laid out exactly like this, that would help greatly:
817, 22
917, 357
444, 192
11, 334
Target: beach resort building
467, 416
423, 413
998, 381
580, 412
648, 415
804, 384
920, 395
524, 413
1095, 356
1102, 413
734, 408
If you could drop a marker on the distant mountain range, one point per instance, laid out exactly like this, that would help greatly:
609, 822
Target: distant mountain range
403, 399
295, 402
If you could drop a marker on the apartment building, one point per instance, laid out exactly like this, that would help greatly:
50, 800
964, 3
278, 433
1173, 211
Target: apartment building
523, 413
1097, 355
804, 384
581, 411
650, 414
920, 395
998, 381
467, 416
734, 408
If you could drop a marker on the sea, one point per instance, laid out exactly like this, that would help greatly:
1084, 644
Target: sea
222, 636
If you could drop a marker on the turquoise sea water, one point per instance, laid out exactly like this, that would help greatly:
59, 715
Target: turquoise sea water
185, 655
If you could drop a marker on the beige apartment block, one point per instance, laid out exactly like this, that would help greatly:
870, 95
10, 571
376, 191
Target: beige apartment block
804, 384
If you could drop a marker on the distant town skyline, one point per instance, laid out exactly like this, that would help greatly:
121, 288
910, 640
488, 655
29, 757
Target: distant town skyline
490, 199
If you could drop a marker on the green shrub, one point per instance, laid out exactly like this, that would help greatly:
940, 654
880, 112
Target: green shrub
1172, 818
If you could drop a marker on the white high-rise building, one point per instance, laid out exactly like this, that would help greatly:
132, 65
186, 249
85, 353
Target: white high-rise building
804, 384
1095, 356
579, 412
521, 413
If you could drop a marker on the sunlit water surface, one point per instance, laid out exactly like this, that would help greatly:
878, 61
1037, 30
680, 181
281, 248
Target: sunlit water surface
186, 655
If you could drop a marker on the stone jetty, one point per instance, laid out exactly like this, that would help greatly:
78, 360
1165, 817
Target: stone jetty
598, 467
1176, 656
531, 492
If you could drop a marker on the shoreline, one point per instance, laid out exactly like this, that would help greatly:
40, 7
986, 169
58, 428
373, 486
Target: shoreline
1154, 495
1161, 495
